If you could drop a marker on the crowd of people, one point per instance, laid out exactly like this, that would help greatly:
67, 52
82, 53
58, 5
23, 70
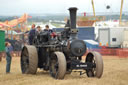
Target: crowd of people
36, 30
8, 47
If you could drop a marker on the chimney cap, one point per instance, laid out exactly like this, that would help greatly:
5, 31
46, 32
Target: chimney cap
73, 8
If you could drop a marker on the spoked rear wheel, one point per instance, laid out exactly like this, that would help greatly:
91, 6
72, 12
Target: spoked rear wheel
29, 60
96, 59
57, 65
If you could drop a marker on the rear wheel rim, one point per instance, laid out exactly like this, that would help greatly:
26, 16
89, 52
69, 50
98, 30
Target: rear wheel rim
29, 60
24, 60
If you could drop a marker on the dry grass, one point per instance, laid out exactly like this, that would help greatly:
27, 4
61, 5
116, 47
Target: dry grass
115, 73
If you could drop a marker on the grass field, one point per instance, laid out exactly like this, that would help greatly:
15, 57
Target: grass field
115, 73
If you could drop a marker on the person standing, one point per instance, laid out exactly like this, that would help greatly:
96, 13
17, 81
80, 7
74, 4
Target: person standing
38, 29
32, 34
47, 29
8, 57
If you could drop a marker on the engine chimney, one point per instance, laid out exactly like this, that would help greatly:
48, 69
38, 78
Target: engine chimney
73, 30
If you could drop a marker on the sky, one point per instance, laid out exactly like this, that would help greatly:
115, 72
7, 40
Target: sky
18, 7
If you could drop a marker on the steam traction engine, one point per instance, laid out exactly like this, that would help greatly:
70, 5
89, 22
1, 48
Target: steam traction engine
60, 53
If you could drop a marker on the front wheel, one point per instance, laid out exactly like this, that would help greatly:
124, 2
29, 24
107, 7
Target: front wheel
96, 59
57, 65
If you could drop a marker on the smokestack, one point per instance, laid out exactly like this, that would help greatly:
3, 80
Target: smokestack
73, 11
73, 29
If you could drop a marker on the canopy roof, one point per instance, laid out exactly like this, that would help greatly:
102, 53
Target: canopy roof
14, 22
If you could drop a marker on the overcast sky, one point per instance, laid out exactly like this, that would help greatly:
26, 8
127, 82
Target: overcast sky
14, 7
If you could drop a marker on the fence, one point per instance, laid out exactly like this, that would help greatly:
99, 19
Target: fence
122, 53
